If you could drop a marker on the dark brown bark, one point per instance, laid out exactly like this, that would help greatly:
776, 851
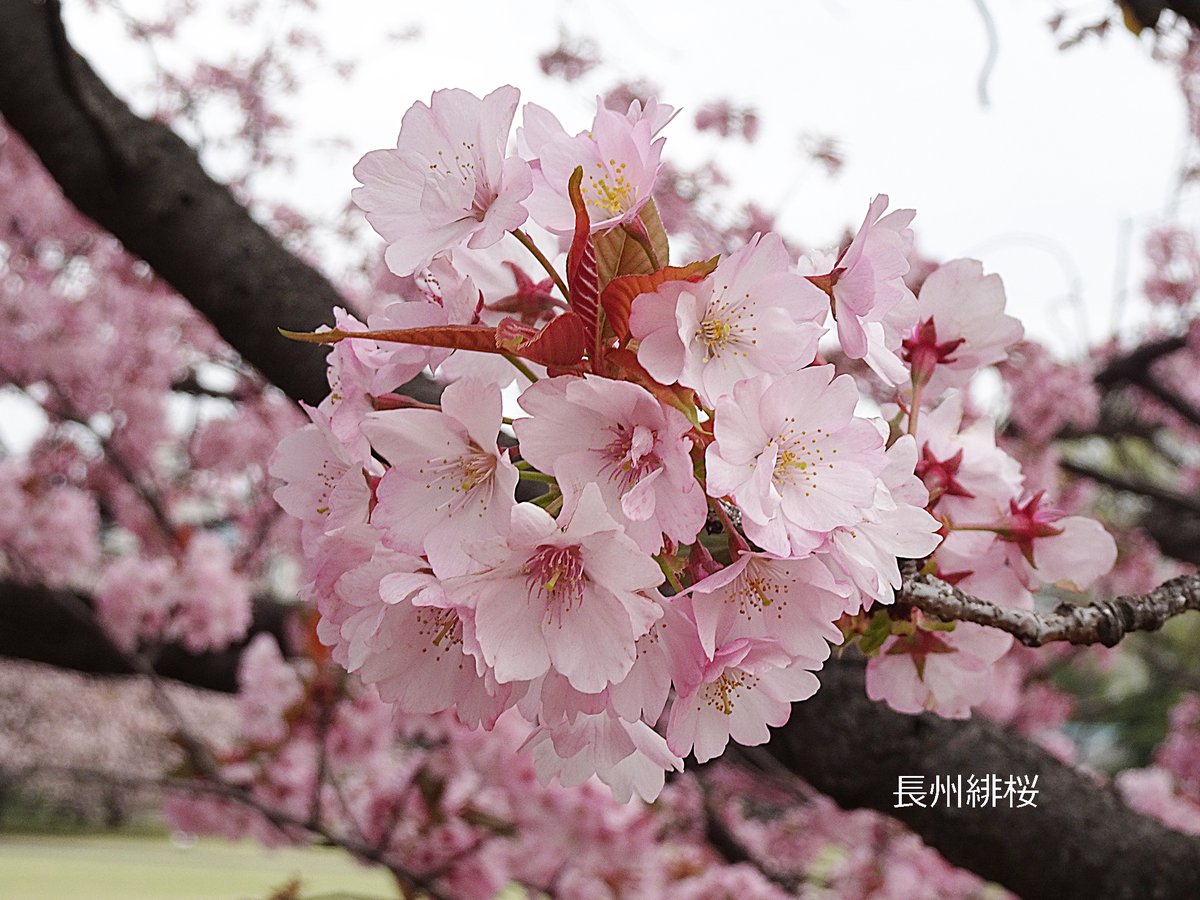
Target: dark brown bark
142, 183
1080, 841
53, 627
138, 180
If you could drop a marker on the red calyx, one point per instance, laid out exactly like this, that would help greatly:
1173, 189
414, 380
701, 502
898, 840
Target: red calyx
923, 353
940, 475
1028, 522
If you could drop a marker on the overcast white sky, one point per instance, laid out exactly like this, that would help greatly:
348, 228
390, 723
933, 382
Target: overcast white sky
1042, 185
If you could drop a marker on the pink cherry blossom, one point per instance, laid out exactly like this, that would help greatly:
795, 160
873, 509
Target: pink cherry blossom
1153, 793
630, 757
360, 369
867, 287
448, 182
746, 685
617, 435
1079, 554
325, 486
895, 526
795, 602
1053, 395
753, 315
946, 672
560, 596
620, 159
449, 483
795, 458
643, 693
969, 478
399, 634
962, 326
198, 600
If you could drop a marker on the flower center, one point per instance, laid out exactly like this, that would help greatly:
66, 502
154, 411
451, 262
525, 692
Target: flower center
463, 478
801, 455
724, 326
442, 628
755, 592
555, 574
722, 694
460, 167
609, 191
630, 455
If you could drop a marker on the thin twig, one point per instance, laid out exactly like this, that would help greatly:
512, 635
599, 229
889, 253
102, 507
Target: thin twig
545, 263
1130, 485
727, 845
198, 752
1152, 386
993, 51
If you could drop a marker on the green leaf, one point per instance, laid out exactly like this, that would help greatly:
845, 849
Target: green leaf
878, 631
619, 254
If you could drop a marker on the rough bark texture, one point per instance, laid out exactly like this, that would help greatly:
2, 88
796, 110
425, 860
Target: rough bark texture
1100, 622
138, 180
1080, 842
43, 625
142, 183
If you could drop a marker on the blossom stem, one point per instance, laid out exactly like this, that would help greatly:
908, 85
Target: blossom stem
521, 367
547, 499
914, 409
541, 258
528, 475
671, 577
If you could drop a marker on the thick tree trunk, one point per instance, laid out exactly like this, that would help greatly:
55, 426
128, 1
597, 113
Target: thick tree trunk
138, 180
1080, 841
56, 627
142, 183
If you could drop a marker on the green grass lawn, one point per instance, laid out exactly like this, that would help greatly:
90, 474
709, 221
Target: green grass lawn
64, 867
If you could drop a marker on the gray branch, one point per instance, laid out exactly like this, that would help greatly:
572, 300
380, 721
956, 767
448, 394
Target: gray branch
1099, 622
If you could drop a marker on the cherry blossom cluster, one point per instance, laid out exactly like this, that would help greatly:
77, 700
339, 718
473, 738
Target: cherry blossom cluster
656, 553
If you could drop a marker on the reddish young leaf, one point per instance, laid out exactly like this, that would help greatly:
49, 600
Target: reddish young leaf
619, 293
583, 278
558, 343
454, 337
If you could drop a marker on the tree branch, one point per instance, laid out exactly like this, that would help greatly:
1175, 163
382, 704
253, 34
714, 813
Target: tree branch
1081, 841
1181, 502
140, 181
38, 624
1099, 622
1156, 389
1138, 361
